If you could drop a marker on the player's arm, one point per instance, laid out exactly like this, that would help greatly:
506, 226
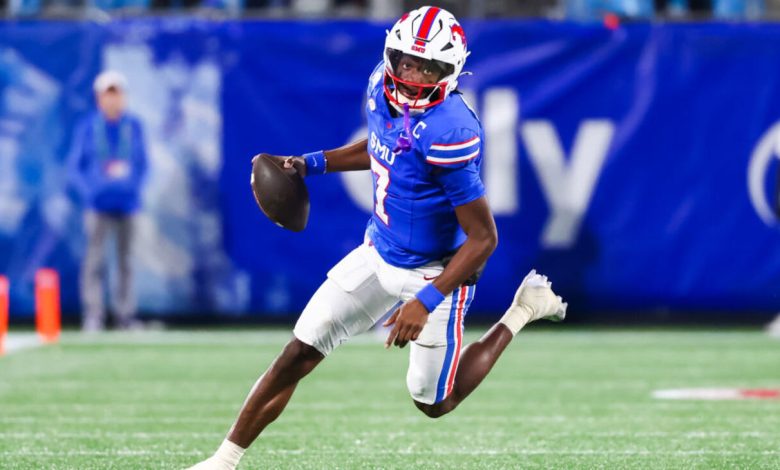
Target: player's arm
477, 221
457, 171
350, 157
482, 238
454, 156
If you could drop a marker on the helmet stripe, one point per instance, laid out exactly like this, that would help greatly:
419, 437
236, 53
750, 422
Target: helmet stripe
427, 22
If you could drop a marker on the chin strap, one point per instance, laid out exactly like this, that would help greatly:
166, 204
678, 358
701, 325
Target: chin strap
404, 142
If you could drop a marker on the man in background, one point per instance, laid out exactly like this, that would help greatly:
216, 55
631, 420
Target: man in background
107, 164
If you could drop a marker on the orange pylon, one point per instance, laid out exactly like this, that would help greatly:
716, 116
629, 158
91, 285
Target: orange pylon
47, 305
4, 302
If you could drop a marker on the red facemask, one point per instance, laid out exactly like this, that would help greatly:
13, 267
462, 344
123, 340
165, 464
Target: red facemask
425, 91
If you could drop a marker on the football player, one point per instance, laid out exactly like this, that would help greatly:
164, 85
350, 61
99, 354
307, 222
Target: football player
429, 236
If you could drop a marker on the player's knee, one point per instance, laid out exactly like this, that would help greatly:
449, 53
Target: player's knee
323, 336
436, 410
299, 357
302, 351
421, 388
423, 393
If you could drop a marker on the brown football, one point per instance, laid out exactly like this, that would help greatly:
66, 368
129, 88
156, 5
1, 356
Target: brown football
280, 193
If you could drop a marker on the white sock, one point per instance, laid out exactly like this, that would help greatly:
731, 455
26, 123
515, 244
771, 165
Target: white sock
229, 454
516, 318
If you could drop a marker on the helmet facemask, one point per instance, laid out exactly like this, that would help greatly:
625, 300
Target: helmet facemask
427, 94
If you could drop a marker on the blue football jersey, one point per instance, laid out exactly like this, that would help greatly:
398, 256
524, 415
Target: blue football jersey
416, 192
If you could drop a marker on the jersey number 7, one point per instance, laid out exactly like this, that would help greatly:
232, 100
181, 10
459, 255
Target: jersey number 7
381, 182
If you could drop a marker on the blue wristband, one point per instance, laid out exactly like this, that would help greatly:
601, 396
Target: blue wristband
316, 163
430, 297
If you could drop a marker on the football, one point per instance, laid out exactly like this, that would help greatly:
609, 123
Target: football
280, 192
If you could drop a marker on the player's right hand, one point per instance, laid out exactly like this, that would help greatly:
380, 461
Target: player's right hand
407, 321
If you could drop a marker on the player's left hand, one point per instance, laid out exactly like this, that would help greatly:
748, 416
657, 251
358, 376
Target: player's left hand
409, 320
298, 163
295, 162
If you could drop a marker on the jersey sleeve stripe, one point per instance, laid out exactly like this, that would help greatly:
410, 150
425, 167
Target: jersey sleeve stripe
456, 145
454, 153
451, 161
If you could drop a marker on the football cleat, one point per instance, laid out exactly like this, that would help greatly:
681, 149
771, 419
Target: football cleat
535, 295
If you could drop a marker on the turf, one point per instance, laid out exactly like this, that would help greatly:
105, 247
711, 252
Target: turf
557, 399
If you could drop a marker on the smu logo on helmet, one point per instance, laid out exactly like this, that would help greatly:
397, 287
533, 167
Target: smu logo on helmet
457, 30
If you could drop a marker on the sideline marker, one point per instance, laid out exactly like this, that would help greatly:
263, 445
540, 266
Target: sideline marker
4, 303
47, 305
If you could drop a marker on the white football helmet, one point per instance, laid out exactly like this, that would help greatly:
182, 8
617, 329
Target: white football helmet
432, 34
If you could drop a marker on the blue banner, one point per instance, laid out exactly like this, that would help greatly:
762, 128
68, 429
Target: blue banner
636, 166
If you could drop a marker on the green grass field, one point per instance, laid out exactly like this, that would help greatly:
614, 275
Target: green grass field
559, 398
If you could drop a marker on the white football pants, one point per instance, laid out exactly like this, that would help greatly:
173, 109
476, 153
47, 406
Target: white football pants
361, 289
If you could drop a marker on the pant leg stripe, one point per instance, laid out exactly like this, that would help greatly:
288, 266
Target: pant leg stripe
442, 384
464, 294
472, 292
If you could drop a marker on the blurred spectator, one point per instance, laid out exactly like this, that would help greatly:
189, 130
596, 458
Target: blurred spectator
684, 8
596, 9
385, 9
174, 4
24, 7
109, 5
676, 8
738, 9
106, 165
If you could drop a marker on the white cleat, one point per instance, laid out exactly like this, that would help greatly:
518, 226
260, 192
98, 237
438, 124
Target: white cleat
211, 464
536, 295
